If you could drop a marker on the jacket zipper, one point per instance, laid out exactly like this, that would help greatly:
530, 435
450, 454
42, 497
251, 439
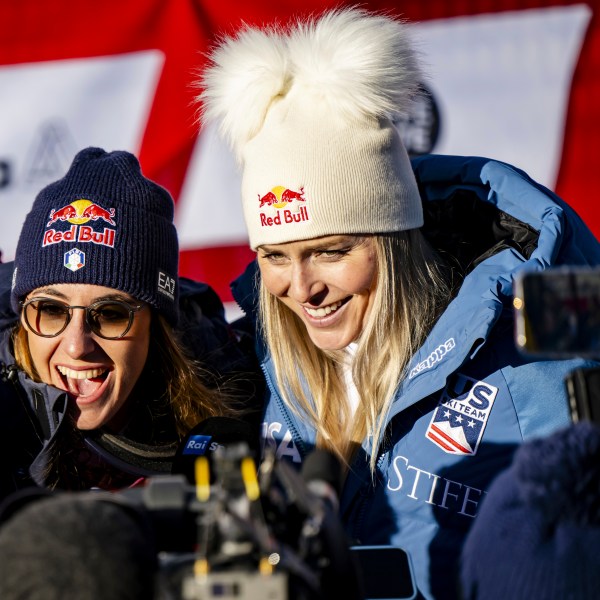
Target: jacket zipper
284, 411
365, 493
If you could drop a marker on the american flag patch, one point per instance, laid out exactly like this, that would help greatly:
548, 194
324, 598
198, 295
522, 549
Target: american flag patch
460, 418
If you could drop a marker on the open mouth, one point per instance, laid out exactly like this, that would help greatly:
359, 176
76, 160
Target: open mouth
323, 311
82, 383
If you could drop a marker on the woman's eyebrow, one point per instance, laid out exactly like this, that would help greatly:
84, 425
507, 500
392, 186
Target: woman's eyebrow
110, 296
318, 245
115, 296
49, 291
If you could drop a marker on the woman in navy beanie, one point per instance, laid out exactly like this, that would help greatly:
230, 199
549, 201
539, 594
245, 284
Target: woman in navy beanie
93, 362
537, 535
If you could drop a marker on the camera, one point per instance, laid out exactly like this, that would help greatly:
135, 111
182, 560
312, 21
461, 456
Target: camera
225, 529
557, 315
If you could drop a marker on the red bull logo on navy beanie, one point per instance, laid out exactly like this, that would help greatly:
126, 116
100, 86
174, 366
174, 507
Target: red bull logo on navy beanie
106, 224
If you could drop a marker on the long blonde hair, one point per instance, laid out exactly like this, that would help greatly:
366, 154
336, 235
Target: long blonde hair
412, 290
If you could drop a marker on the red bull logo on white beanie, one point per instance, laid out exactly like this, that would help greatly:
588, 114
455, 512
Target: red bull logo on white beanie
311, 110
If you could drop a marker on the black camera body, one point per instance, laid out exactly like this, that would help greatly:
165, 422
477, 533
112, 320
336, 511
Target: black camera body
557, 315
225, 534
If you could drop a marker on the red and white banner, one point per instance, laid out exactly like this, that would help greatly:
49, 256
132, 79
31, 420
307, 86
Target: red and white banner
516, 80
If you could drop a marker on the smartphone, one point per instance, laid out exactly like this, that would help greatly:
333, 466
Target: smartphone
386, 571
557, 312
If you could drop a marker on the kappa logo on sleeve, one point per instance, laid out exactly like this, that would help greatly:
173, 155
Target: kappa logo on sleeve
436, 356
460, 418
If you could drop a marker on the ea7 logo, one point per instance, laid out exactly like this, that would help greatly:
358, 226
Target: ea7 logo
458, 422
166, 285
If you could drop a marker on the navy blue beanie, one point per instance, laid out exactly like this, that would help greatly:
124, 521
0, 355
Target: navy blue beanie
106, 224
537, 534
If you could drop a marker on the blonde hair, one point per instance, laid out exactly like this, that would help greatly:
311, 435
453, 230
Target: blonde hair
411, 292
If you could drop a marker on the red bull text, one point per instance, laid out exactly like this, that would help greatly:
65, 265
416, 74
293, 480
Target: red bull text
288, 217
78, 213
80, 233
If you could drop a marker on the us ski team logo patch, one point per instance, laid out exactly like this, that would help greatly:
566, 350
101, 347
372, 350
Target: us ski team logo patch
460, 418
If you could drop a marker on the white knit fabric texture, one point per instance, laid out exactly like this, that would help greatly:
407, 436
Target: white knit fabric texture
308, 112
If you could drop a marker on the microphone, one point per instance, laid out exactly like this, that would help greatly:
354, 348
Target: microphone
380, 571
217, 458
322, 472
76, 545
290, 514
210, 436
175, 537
323, 476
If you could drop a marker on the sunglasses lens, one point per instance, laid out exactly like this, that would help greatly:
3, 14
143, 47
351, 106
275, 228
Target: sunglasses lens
46, 317
109, 319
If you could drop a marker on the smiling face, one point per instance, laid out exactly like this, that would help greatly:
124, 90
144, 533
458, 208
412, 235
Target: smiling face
98, 374
328, 282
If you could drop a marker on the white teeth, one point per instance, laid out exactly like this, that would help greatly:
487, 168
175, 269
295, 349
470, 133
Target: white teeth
323, 311
88, 374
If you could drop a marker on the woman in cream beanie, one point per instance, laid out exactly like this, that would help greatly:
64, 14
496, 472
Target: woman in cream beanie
382, 289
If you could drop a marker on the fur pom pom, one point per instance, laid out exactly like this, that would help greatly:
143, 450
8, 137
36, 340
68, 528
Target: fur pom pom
246, 73
358, 63
361, 63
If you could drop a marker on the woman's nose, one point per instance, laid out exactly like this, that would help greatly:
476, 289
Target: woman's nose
305, 282
77, 337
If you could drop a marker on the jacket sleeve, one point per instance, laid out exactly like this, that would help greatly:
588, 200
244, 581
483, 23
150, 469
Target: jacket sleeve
8, 317
20, 440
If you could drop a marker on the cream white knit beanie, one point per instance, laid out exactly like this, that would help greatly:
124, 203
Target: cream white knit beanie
309, 113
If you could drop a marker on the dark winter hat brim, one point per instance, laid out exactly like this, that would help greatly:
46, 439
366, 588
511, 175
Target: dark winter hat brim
106, 224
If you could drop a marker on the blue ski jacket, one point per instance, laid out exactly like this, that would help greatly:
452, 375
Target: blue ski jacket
470, 397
